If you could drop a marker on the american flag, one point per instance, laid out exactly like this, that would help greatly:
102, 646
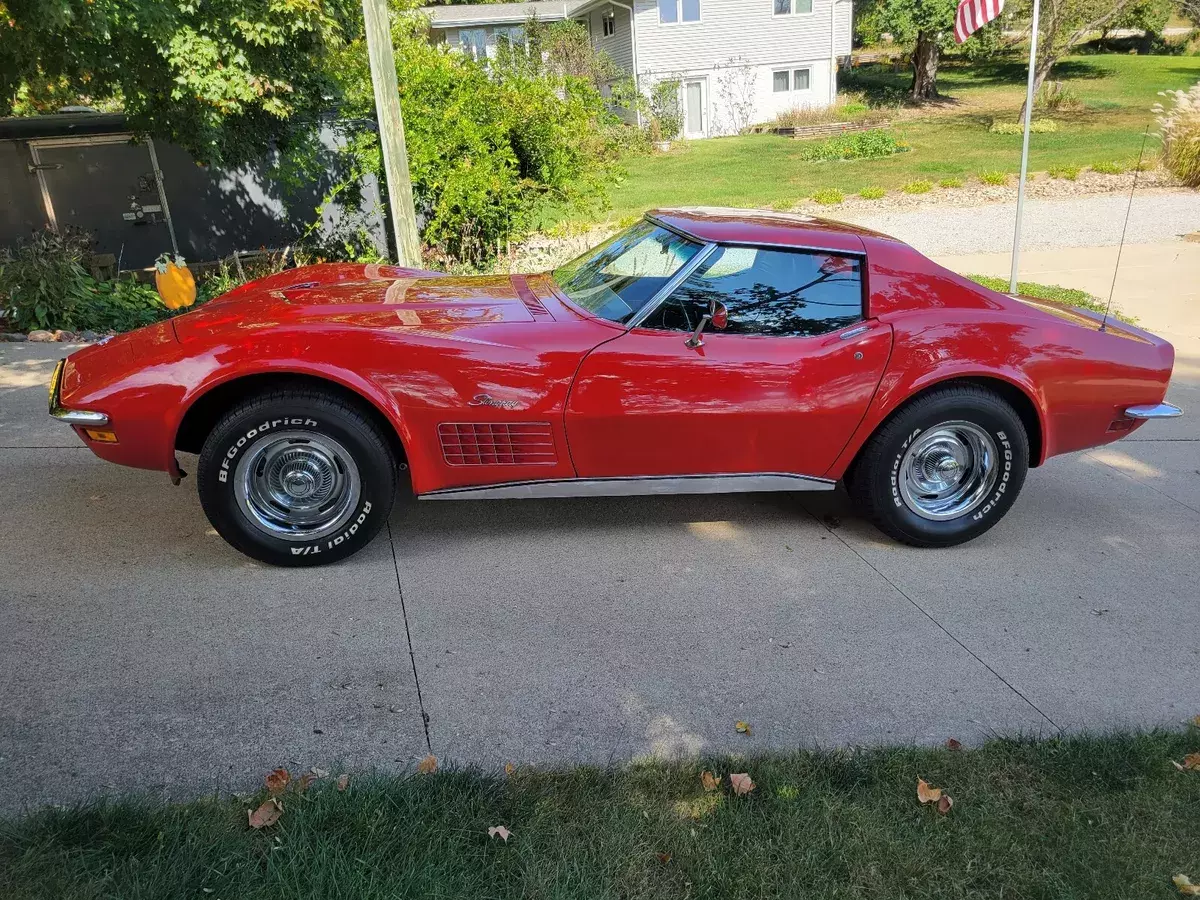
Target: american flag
973, 15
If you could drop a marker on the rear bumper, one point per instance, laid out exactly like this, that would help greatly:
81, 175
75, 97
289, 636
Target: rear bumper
71, 416
1154, 411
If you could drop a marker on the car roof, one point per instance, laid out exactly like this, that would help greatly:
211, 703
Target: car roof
762, 226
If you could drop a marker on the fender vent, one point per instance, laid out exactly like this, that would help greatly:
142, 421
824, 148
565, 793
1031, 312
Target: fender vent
528, 297
497, 443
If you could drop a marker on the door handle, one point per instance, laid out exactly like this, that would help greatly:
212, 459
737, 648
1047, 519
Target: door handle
854, 332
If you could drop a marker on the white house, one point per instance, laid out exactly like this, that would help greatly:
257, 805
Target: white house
739, 61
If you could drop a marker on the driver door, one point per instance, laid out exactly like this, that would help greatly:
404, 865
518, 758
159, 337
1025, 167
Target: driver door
780, 390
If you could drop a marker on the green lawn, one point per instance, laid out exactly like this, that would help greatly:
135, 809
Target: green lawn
949, 140
1085, 817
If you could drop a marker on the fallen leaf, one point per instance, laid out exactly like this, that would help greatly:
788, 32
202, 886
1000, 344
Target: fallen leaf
741, 783
319, 773
302, 783
710, 781
663, 858
1191, 762
277, 781
1196, 721
499, 831
742, 727
954, 744
1185, 886
343, 782
944, 804
927, 794
509, 768
266, 815
428, 765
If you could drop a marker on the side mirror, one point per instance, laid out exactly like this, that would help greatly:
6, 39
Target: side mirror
717, 314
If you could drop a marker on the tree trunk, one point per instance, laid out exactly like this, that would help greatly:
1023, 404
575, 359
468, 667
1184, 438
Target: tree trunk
1040, 73
925, 58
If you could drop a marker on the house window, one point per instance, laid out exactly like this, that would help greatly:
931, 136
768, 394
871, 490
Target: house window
792, 7
609, 23
473, 42
672, 11
514, 35
791, 80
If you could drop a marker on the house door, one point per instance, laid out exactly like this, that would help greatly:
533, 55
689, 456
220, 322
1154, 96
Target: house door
694, 124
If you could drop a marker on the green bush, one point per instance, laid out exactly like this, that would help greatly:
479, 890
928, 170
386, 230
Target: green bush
1109, 168
994, 178
1179, 128
121, 305
917, 187
43, 281
491, 145
828, 197
872, 193
951, 182
1070, 173
855, 145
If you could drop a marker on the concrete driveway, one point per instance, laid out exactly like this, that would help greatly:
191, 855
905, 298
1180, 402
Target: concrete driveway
137, 651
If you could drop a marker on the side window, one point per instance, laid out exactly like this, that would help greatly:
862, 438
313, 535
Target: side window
784, 293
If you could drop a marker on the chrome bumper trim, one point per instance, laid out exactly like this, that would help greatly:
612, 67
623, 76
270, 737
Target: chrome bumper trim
634, 487
80, 417
1158, 411
71, 416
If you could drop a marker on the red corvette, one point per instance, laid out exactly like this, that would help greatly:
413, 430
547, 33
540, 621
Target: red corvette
698, 351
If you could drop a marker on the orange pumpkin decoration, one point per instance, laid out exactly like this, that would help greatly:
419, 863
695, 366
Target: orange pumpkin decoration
174, 282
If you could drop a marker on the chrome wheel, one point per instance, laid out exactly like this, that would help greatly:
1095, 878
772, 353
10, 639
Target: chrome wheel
298, 486
948, 471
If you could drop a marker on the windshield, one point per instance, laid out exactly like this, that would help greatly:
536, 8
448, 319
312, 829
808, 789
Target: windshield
617, 278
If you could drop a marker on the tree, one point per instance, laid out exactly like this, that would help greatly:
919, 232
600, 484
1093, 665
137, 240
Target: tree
1147, 16
1065, 24
227, 79
925, 25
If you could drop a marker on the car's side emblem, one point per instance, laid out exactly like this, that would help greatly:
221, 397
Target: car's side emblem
489, 400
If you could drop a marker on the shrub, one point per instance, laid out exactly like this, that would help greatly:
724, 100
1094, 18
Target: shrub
492, 145
872, 193
855, 145
994, 178
951, 182
852, 107
120, 305
828, 197
1057, 293
1054, 96
1070, 173
43, 281
917, 187
1179, 128
1109, 168
1037, 126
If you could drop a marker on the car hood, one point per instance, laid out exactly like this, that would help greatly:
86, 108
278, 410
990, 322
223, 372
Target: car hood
416, 301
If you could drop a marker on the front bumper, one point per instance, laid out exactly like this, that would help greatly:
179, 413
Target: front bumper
1155, 411
71, 416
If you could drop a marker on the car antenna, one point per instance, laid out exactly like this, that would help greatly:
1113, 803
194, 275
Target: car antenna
1125, 227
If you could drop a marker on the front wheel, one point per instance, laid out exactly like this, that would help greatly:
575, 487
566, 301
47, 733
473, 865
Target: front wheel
296, 478
944, 469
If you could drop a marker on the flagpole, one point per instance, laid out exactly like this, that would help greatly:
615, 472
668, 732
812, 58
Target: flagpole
1016, 253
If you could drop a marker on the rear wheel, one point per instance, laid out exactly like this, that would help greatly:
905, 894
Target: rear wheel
944, 469
296, 478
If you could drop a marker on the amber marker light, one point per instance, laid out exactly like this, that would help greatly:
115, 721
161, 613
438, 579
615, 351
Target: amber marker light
103, 437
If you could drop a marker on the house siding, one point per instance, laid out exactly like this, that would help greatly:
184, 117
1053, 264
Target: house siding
743, 29
619, 46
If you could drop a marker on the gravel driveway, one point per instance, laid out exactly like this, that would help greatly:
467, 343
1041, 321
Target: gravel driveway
1094, 221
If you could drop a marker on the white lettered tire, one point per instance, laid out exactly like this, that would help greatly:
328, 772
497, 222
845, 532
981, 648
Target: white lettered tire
297, 477
944, 469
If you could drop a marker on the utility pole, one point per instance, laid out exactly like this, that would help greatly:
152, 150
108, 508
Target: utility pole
391, 131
